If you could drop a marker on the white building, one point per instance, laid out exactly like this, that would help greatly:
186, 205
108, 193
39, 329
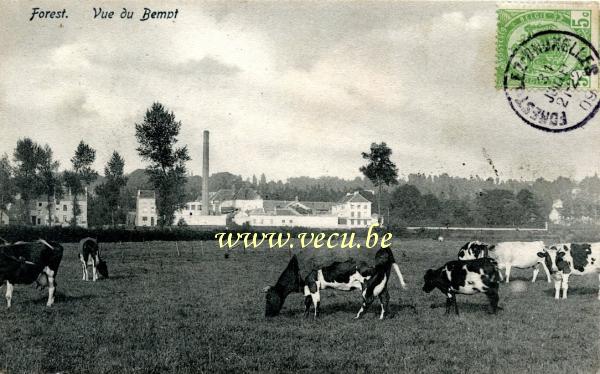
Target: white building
62, 211
555, 216
145, 208
354, 210
191, 214
4, 218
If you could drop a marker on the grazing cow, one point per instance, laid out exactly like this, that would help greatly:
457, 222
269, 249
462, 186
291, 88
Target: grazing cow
474, 249
569, 259
521, 255
89, 255
24, 263
348, 275
467, 278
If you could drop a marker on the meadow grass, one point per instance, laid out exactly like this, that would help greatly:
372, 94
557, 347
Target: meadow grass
202, 312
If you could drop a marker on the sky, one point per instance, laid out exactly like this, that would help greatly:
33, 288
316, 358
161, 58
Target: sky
285, 88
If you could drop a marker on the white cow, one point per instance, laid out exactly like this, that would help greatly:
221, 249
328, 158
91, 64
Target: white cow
569, 259
521, 255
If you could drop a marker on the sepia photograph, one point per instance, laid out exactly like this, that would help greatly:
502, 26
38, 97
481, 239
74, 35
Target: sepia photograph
222, 186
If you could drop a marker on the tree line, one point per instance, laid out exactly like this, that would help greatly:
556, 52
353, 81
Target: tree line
419, 199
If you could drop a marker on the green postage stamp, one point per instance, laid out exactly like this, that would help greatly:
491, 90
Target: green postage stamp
547, 45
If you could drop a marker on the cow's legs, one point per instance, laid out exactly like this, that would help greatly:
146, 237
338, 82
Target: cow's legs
565, 285
598, 286
51, 286
507, 273
384, 300
448, 302
316, 298
493, 297
536, 270
94, 271
455, 303
365, 304
9, 291
548, 276
307, 304
557, 283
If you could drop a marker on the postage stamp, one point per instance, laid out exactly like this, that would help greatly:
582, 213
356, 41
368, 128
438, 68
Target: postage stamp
553, 64
548, 65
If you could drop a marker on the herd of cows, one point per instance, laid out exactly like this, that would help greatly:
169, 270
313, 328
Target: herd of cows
38, 261
477, 270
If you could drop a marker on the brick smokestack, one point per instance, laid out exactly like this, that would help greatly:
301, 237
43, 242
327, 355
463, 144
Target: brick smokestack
205, 207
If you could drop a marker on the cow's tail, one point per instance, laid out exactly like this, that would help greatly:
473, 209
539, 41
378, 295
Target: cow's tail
399, 274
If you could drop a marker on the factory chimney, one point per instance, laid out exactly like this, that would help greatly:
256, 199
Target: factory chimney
205, 207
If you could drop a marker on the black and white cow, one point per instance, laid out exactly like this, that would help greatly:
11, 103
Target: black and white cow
467, 278
347, 275
521, 255
568, 259
474, 249
25, 263
89, 255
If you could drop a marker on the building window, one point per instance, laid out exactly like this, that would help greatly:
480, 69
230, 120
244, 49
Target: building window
291, 221
282, 221
144, 219
366, 222
358, 215
351, 214
351, 222
64, 218
39, 204
64, 207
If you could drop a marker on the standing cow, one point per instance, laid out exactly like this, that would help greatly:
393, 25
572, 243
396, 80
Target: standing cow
25, 263
89, 255
347, 275
521, 255
467, 278
569, 259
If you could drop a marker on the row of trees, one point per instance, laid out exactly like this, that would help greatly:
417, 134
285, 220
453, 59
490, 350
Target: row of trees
34, 174
421, 199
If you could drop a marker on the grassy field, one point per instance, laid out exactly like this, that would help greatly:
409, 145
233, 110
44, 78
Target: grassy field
201, 312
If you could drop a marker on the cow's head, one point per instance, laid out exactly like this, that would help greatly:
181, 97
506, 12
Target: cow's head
429, 279
102, 268
473, 250
274, 302
552, 257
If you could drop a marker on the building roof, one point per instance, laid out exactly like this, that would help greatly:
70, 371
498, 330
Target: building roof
221, 195
146, 194
246, 193
354, 197
286, 212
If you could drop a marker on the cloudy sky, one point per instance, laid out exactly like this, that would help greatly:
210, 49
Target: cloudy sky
286, 89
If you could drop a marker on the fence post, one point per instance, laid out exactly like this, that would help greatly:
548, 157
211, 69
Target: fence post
177, 247
122, 252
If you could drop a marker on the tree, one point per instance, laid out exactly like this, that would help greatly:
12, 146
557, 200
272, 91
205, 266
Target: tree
7, 185
115, 181
81, 176
380, 170
406, 204
27, 156
157, 136
49, 182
